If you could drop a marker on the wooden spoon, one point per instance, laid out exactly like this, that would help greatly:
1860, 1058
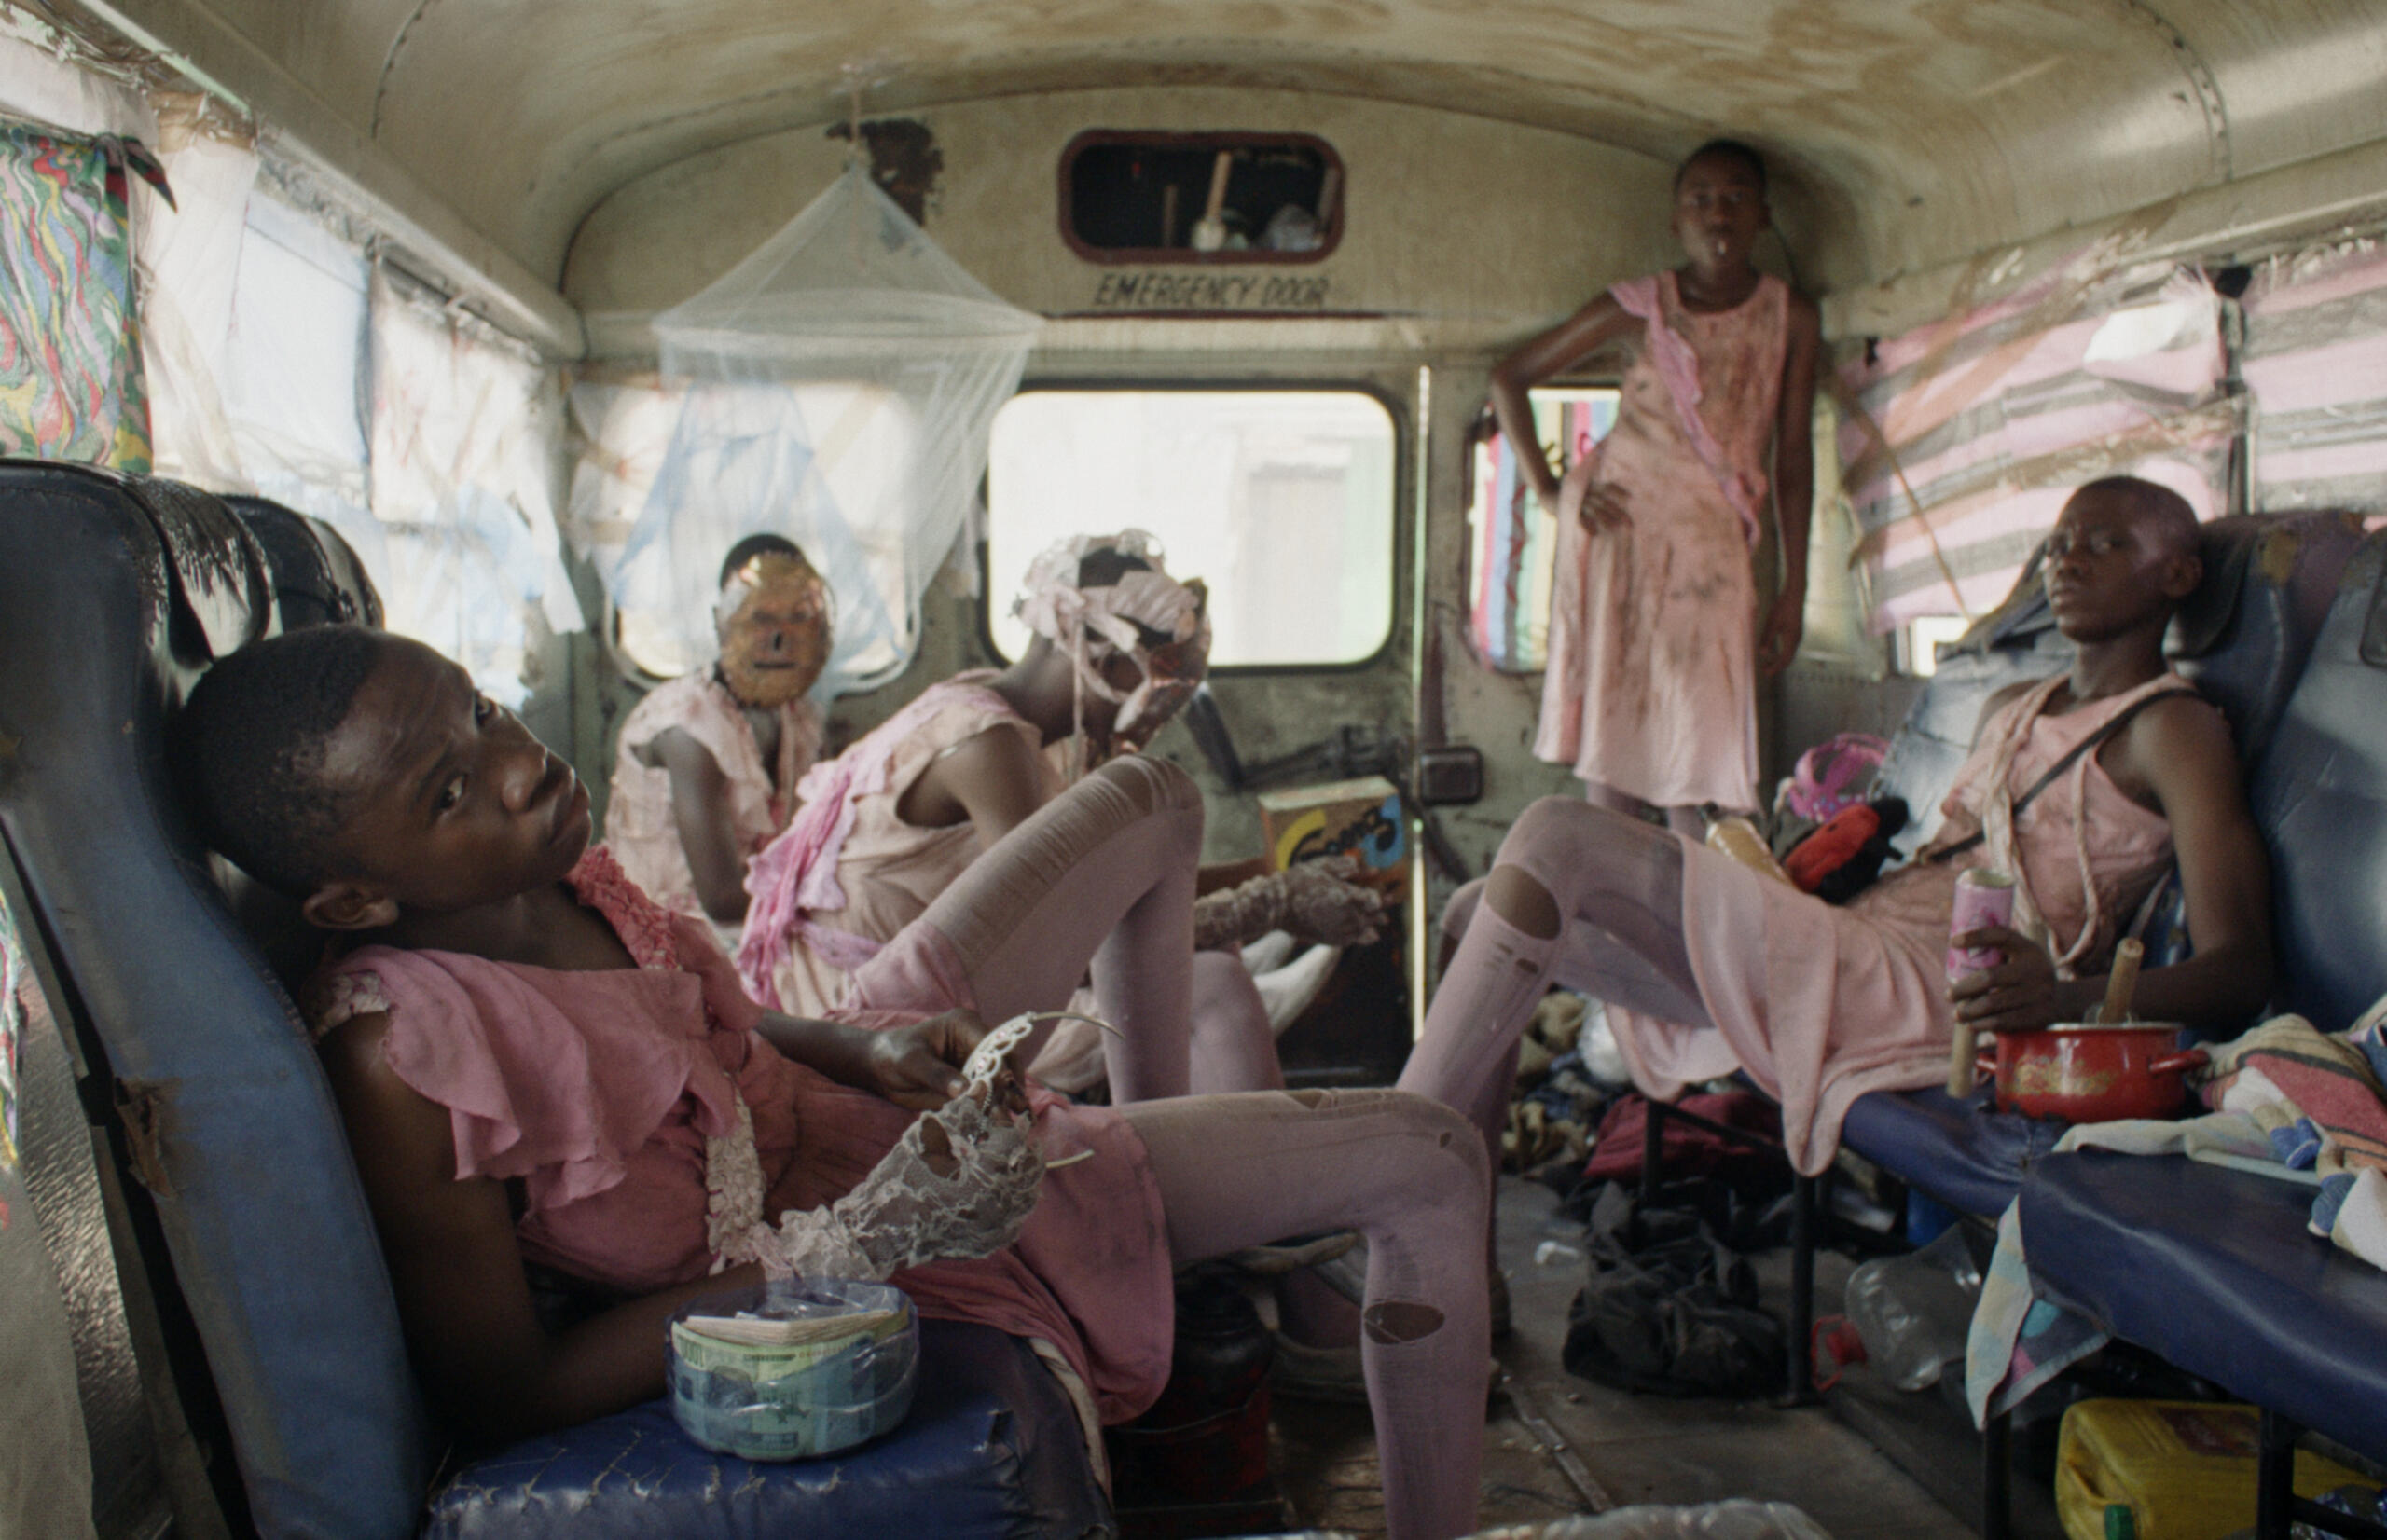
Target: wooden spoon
2122, 983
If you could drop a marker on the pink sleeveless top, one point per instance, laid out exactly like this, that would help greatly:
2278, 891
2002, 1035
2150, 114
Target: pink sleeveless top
598, 1091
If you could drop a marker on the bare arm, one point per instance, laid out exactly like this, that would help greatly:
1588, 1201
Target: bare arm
1794, 484
490, 1367
1555, 351
915, 1066
700, 808
2178, 753
994, 781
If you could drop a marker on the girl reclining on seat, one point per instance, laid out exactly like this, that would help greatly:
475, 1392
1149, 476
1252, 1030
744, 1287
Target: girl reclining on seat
538, 1065
1708, 967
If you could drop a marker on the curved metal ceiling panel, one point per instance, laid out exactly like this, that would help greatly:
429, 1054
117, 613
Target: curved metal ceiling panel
1936, 127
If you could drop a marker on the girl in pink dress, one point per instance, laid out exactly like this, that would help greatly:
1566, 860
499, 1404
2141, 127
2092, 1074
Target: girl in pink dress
890, 823
1654, 643
706, 769
536, 1063
1709, 968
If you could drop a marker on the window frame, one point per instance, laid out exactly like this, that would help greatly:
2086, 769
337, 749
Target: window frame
1330, 238
1607, 379
1403, 448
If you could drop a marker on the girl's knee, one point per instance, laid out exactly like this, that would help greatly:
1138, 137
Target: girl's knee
1442, 1152
1517, 897
1151, 785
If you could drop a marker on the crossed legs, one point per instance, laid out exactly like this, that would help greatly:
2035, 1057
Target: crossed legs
1105, 873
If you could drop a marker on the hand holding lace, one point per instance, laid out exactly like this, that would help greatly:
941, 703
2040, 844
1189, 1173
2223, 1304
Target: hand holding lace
1316, 901
959, 1183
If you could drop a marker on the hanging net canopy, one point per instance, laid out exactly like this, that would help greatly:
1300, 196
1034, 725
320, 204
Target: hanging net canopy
839, 385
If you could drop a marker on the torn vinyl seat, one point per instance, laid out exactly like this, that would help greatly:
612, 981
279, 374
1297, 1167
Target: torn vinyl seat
116, 594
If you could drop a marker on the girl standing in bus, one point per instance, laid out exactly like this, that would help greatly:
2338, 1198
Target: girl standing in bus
1650, 693
707, 766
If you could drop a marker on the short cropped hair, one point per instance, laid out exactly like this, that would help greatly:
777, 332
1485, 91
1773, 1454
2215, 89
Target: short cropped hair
1732, 150
248, 750
2167, 508
758, 546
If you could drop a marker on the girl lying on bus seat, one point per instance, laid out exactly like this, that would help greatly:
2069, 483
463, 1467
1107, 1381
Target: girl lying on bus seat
1118, 647
1709, 968
706, 769
520, 1030
1651, 692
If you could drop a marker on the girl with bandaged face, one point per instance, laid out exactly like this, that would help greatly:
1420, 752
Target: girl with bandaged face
706, 770
1119, 645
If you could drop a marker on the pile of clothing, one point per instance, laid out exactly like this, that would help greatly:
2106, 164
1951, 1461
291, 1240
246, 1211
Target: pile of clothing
2285, 1095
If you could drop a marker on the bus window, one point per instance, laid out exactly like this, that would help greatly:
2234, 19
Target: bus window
1511, 544
1281, 500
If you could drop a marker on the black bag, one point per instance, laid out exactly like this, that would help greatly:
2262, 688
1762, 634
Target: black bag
1669, 1309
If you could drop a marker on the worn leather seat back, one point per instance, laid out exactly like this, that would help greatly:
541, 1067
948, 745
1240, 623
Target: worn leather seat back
2320, 796
115, 595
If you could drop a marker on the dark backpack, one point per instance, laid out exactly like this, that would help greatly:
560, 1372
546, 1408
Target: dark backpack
1669, 1309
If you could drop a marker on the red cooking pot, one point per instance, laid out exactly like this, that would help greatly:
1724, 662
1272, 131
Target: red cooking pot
2091, 1074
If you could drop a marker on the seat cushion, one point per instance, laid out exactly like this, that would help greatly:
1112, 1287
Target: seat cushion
1959, 1151
2216, 1271
992, 1447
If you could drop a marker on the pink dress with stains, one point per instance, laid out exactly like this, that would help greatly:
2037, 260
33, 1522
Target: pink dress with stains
851, 873
598, 1091
639, 823
1821, 1005
1651, 681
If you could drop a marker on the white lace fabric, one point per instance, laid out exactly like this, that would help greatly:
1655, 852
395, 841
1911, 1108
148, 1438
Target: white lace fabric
1314, 902
905, 1212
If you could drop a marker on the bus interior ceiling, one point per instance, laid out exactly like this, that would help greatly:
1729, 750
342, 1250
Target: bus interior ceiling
567, 173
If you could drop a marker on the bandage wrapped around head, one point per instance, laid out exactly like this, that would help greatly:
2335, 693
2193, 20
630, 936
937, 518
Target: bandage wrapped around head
1158, 623
773, 620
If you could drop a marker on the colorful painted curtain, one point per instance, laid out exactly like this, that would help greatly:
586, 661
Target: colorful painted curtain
2315, 363
70, 353
1963, 438
1513, 544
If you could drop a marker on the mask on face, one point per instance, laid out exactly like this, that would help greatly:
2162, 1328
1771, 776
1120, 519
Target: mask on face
773, 618
1093, 625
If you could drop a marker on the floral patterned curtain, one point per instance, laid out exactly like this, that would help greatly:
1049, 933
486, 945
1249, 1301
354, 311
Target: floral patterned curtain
69, 354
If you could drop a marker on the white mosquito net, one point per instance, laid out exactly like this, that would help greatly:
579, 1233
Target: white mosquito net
839, 383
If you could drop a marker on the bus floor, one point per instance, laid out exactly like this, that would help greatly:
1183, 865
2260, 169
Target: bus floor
1555, 1444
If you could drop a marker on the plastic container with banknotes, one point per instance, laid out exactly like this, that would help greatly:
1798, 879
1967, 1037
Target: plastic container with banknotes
792, 1369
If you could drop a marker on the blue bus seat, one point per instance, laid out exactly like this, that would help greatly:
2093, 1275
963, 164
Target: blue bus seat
2215, 1271
116, 593
990, 1451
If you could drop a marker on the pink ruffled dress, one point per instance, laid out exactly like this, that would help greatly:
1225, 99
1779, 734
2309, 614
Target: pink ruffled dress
1821, 1004
850, 873
641, 826
1651, 683
602, 1093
